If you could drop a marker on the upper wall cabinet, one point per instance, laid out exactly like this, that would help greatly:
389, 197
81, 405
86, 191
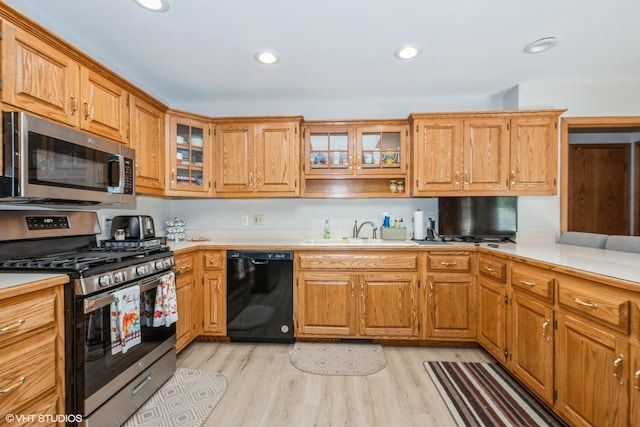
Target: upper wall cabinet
258, 157
105, 106
355, 159
44, 80
485, 153
189, 156
38, 78
147, 138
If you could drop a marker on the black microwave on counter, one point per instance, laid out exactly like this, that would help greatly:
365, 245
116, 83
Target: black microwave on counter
44, 162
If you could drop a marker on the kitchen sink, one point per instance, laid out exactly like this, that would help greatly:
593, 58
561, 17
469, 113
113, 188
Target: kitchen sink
349, 241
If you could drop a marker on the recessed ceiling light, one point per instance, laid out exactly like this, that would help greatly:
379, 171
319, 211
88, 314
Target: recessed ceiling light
267, 57
541, 45
408, 52
153, 5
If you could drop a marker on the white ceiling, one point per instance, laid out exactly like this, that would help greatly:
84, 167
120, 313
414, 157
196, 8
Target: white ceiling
203, 50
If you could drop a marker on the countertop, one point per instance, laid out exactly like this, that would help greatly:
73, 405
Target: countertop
615, 264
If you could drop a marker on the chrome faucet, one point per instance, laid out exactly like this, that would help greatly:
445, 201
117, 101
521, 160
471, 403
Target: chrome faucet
357, 229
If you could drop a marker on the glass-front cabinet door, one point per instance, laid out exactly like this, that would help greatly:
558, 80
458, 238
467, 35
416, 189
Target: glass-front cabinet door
329, 151
190, 156
381, 150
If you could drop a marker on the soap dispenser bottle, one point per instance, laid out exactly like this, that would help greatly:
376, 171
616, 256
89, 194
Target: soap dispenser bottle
327, 229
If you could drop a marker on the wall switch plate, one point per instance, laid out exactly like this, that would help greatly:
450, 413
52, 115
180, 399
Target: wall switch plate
245, 220
258, 219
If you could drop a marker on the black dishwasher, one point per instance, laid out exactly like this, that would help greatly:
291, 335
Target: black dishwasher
260, 296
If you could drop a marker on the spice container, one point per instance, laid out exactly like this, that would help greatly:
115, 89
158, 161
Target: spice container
400, 186
393, 186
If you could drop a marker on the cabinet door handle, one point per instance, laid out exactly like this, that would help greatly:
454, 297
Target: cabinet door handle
466, 178
74, 107
17, 384
586, 304
544, 330
617, 368
218, 286
489, 269
353, 289
514, 177
183, 267
14, 326
448, 263
250, 179
362, 289
457, 181
636, 377
527, 283
430, 289
259, 179
87, 109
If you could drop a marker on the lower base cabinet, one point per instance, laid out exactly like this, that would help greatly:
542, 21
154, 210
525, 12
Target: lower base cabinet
634, 384
213, 265
451, 297
591, 374
532, 344
186, 326
345, 295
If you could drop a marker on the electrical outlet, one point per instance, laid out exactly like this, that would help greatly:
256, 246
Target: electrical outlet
258, 219
245, 220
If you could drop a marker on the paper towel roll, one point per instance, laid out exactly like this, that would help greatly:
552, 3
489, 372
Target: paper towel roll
418, 225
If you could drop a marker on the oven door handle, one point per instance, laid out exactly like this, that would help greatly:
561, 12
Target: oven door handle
102, 300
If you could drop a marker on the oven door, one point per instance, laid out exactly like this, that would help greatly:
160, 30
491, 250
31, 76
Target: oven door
100, 371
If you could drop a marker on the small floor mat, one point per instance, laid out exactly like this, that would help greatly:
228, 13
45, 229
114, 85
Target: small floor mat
338, 359
185, 400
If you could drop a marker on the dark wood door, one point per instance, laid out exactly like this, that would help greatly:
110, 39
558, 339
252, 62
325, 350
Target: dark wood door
599, 188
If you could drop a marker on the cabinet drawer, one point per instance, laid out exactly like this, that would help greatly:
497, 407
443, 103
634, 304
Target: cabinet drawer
596, 302
493, 268
26, 313
213, 260
449, 261
27, 368
533, 280
357, 261
184, 263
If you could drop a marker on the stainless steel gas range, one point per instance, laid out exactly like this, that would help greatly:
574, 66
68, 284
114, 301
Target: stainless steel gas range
106, 381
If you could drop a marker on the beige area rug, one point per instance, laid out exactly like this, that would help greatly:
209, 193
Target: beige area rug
186, 399
338, 359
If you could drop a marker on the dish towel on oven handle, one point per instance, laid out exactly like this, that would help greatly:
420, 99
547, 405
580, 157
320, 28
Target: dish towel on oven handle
125, 319
165, 312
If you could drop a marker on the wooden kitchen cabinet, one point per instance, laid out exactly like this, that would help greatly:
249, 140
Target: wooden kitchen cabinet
104, 106
451, 296
593, 351
534, 154
258, 158
454, 155
492, 305
485, 153
32, 362
355, 295
355, 158
187, 298
27, 62
147, 139
213, 265
188, 156
591, 373
634, 384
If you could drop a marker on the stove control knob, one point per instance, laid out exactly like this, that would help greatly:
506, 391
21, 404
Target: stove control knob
104, 281
119, 276
142, 270
159, 265
167, 263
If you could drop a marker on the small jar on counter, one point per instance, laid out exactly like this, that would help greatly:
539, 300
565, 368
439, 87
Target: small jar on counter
393, 186
400, 186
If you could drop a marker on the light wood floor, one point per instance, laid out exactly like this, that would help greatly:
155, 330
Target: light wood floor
264, 389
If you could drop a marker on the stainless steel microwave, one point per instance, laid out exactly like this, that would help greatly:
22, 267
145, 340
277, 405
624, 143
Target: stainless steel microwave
47, 163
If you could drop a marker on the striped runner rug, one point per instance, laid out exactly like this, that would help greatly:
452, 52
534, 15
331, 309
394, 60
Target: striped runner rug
484, 394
